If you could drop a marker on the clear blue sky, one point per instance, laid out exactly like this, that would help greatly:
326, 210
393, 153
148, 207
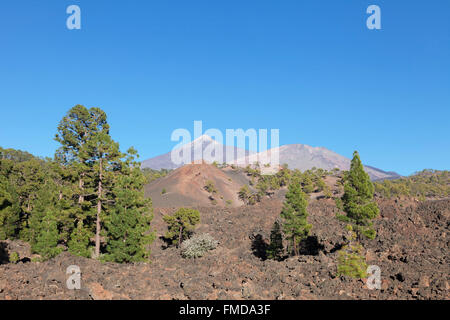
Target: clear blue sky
310, 68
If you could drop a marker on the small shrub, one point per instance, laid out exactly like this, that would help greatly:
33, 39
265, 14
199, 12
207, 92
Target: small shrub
351, 262
210, 187
164, 191
14, 257
229, 202
198, 246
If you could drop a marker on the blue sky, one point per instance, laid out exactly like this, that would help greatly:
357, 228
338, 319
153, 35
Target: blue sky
309, 68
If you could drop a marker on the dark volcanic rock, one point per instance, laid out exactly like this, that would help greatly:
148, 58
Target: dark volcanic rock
411, 249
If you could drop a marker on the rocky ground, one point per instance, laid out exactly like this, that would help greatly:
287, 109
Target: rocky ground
411, 250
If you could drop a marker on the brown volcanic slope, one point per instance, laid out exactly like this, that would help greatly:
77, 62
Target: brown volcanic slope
185, 187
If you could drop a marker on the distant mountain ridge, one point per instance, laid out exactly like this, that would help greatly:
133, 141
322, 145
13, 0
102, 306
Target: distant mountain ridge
296, 156
164, 161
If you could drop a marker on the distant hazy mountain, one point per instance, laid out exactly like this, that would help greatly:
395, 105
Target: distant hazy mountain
304, 157
296, 156
203, 143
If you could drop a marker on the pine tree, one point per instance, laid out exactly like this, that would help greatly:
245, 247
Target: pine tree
24, 179
75, 131
244, 193
128, 226
94, 159
88, 189
43, 229
181, 224
351, 260
262, 187
69, 212
79, 241
106, 162
9, 209
275, 249
294, 214
308, 185
358, 203
28, 177
284, 176
48, 238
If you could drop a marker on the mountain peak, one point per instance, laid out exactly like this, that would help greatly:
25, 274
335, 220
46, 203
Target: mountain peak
204, 137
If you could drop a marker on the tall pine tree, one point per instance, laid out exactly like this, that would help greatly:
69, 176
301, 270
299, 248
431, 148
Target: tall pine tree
294, 214
92, 158
106, 159
42, 225
79, 241
128, 225
9, 210
358, 203
107, 191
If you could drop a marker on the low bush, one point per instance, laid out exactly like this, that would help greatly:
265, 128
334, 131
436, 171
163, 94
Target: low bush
14, 257
198, 246
351, 262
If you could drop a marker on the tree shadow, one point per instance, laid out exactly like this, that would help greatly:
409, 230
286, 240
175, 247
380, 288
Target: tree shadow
166, 242
4, 256
310, 246
259, 247
337, 246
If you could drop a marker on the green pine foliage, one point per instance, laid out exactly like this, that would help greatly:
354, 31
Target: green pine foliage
357, 201
244, 193
307, 183
46, 242
16, 156
294, 215
92, 156
42, 230
360, 208
181, 224
210, 187
262, 188
152, 175
425, 184
9, 210
248, 196
79, 241
351, 262
14, 257
128, 226
265, 185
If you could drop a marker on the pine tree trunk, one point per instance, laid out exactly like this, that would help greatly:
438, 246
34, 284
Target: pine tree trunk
295, 246
99, 210
179, 238
80, 185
